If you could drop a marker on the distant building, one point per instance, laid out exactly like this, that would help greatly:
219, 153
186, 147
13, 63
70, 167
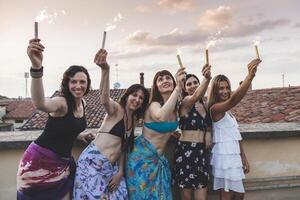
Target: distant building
14, 113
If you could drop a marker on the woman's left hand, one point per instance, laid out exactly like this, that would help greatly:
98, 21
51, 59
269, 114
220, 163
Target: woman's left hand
86, 136
246, 166
115, 182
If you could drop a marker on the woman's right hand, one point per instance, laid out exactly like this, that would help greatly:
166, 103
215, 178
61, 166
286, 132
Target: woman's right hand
35, 53
206, 71
252, 67
180, 77
100, 59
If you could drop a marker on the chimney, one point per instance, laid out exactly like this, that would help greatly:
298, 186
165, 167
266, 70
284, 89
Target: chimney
142, 78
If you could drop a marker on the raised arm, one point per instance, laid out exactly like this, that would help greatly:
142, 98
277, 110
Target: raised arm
161, 113
237, 96
189, 101
100, 60
35, 54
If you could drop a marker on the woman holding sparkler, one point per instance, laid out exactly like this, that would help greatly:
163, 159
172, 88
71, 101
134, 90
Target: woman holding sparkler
191, 164
47, 170
100, 168
229, 162
148, 175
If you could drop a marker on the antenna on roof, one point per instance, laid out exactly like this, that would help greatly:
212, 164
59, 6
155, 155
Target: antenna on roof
26, 76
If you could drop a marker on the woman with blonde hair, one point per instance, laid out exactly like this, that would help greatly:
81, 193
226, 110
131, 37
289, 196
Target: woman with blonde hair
229, 162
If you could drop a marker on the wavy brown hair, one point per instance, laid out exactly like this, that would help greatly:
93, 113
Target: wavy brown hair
213, 92
64, 86
139, 113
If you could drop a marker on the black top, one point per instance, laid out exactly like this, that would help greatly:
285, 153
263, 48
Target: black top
119, 130
60, 133
193, 120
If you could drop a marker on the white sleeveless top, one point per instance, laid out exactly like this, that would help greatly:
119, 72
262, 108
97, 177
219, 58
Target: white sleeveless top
226, 159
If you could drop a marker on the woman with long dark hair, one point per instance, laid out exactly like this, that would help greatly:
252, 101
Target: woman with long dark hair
148, 175
47, 170
100, 168
191, 165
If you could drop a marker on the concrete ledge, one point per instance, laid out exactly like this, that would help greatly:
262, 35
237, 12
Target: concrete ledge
21, 139
272, 183
270, 130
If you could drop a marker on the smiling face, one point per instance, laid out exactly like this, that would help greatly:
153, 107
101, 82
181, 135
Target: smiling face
165, 84
135, 100
78, 84
223, 91
191, 85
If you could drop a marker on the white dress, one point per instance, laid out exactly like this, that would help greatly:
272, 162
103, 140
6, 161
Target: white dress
226, 161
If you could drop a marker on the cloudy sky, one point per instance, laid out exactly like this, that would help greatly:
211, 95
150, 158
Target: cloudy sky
145, 36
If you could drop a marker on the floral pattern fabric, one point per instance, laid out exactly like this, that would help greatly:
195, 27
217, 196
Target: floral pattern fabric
93, 174
148, 174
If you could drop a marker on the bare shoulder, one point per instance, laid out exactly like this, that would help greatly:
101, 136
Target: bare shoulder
185, 106
216, 115
154, 105
61, 104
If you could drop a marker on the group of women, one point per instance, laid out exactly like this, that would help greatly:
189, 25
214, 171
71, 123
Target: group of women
117, 166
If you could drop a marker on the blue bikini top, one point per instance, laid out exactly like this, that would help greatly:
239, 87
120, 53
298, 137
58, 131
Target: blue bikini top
162, 127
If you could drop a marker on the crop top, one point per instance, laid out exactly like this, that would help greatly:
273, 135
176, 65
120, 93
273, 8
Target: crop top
194, 121
119, 130
60, 133
162, 127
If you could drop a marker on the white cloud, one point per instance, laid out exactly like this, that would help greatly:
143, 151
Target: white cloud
176, 5
297, 25
245, 29
214, 19
143, 8
171, 6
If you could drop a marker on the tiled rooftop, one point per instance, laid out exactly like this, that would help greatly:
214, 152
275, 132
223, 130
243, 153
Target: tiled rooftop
94, 111
18, 109
274, 105
269, 105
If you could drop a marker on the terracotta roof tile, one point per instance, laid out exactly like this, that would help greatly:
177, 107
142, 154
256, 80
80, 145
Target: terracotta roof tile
18, 109
258, 106
269, 105
94, 111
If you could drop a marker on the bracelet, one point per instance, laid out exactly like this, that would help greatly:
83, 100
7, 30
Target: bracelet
36, 73
36, 70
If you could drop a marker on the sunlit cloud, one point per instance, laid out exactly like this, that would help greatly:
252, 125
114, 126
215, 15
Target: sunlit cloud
141, 52
177, 5
243, 29
143, 8
171, 6
214, 19
199, 36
